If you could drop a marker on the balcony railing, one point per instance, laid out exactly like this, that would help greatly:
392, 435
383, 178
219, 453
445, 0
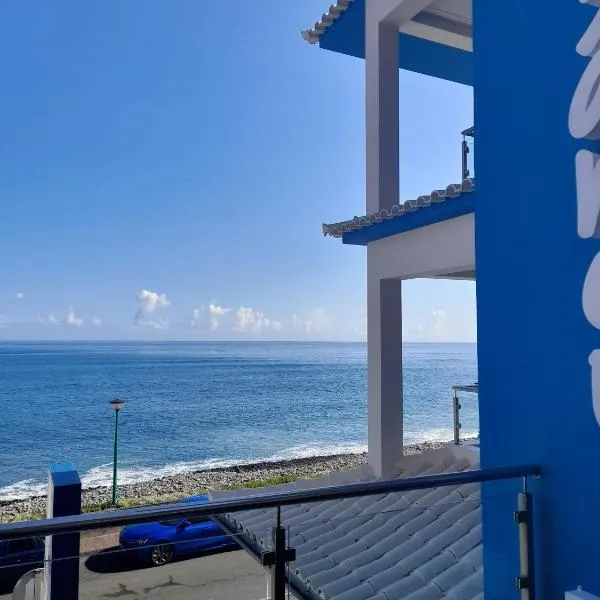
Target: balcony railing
456, 406
280, 552
468, 148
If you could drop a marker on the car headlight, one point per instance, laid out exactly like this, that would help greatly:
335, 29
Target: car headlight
141, 542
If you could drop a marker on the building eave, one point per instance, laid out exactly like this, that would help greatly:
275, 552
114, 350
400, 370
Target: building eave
338, 230
328, 18
426, 44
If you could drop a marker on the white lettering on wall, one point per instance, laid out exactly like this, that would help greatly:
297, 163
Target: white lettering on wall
587, 165
594, 361
584, 116
589, 43
591, 293
584, 123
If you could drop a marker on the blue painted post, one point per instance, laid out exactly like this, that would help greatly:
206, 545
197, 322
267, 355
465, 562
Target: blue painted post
62, 551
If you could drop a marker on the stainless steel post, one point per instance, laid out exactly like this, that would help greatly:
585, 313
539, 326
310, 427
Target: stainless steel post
465, 159
456, 415
280, 559
523, 519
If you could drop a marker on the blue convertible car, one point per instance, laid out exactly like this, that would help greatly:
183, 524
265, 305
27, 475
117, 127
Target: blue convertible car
158, 543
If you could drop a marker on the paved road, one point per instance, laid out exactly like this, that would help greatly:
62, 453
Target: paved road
226, 576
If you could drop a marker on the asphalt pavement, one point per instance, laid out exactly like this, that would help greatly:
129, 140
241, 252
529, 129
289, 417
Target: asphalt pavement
224, 576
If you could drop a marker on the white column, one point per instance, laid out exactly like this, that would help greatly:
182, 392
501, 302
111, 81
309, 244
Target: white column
381, 106
384, 347
384, 299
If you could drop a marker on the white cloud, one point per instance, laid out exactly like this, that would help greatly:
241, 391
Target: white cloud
148, 303
317, 321
50, 318
208, 317
19, 296
72, 320
249, 320
215, 312
196, 316
157, 324
96, 321
437, 323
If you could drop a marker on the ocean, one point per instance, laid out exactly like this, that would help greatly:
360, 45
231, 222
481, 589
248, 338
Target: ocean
197, 405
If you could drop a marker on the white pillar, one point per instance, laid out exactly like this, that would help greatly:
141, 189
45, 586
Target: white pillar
381, 107
384, 299
384, 347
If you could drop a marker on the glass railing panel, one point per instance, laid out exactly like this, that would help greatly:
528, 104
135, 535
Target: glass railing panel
508, 529
465, 411
187, 562
392, 545
387, 544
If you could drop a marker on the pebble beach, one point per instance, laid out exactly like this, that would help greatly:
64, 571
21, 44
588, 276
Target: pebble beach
188, 484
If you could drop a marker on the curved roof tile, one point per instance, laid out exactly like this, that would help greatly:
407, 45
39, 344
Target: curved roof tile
422, 544
313, 34
452, 191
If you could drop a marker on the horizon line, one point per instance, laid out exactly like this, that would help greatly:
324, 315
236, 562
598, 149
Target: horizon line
198, 341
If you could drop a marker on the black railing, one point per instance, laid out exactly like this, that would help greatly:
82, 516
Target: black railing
89, 521
279, 555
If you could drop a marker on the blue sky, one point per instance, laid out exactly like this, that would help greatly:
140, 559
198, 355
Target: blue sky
166, 167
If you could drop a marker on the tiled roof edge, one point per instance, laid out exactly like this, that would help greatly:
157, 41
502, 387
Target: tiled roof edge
452, 191
313, 34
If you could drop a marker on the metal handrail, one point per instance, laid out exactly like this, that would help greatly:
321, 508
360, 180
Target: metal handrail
89, 521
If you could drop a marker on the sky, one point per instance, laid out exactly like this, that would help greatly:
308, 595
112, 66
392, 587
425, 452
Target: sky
165, 168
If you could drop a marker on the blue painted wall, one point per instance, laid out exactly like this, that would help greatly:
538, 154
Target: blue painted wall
347, 35
533, 338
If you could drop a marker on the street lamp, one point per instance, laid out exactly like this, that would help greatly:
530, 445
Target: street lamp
116, 405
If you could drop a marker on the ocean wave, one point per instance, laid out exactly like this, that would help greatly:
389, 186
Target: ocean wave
25, 488
101, 475
309, 450
438, 434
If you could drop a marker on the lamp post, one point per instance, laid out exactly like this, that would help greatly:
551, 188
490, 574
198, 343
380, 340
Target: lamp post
116, 405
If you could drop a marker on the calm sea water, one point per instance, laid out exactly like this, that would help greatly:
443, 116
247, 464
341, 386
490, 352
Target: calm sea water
199, 405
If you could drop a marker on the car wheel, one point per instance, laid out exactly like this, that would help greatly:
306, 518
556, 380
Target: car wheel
162, 554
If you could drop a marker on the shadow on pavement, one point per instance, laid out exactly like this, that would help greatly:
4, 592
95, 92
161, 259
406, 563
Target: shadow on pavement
115, 560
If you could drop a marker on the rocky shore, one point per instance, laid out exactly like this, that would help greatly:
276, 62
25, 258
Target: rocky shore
188, 484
